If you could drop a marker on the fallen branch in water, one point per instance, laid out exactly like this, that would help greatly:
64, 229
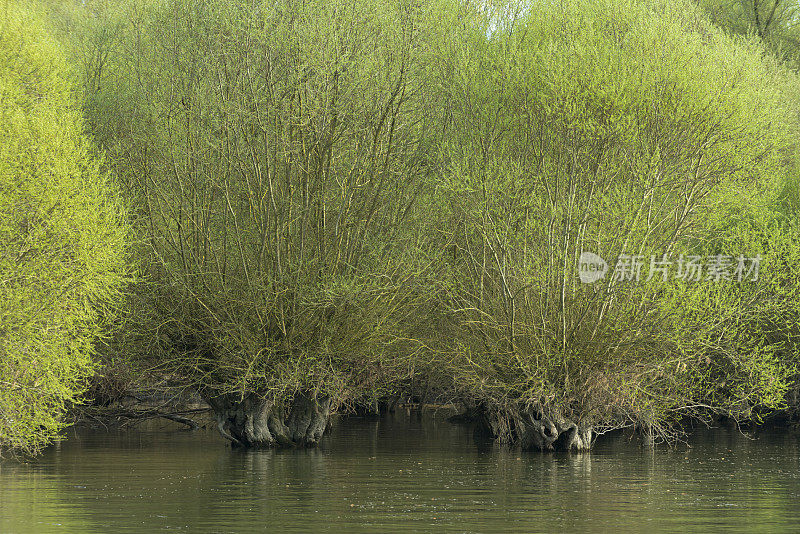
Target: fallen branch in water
183, 420
121, 416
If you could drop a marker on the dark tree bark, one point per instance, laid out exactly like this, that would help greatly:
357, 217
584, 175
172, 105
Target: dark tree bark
535, 431
253, 421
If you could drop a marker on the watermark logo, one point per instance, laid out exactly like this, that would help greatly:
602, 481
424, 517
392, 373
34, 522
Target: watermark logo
592, 267
715, 268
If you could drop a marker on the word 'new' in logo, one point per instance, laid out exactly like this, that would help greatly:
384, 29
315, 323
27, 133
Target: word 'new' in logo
591, 267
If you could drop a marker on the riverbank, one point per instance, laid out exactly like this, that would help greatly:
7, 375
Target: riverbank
179, 409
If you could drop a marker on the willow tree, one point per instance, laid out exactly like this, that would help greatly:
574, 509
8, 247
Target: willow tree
272, 150
774, 22
63, 237
617, 129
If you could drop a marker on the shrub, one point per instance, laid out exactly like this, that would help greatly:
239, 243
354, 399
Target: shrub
62, 237
615, 128
271, 155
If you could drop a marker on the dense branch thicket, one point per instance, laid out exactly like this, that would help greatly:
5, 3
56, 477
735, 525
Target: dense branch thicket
776, 23
274, 155
62, 237
334, 198
625, 129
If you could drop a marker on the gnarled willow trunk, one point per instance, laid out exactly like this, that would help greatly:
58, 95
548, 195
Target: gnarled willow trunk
532, 430
253, 421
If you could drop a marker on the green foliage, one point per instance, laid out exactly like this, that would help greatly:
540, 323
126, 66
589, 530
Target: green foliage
775, 22
62, 237
271, 153
750, 333
613, 128
333, 196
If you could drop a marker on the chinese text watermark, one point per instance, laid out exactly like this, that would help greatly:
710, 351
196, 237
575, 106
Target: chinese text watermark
715, 268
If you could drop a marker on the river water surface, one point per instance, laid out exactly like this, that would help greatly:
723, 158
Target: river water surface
401, 474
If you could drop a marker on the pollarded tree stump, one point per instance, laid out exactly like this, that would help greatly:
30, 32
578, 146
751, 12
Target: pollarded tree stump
253, 421
532, 430
548, 434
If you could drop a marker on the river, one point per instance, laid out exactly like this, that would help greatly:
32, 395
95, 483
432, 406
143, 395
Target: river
401, 473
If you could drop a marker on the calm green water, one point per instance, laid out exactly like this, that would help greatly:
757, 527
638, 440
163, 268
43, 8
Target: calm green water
401, 474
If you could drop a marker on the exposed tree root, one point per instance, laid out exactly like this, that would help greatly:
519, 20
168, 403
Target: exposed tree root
258, 422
